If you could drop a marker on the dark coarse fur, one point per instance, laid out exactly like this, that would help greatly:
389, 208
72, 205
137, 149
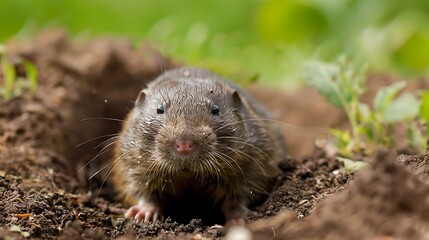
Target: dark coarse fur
237, 151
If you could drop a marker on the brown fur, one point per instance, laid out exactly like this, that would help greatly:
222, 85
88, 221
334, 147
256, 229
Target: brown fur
237, 151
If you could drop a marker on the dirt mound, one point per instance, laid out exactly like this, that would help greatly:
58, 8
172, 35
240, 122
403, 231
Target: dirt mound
384, 201
39, 132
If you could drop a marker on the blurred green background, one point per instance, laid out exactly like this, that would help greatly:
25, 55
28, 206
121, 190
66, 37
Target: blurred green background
245, 39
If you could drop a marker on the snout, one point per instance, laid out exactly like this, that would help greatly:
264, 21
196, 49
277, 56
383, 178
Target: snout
184, 146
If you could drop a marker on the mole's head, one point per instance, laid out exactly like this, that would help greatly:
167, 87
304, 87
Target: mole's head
185, 123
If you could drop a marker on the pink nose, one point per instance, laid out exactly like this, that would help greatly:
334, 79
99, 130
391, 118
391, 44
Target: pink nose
184, 146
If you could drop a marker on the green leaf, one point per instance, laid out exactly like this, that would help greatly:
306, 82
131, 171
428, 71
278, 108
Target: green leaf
9, 77
385, 96
364, 111
416, 138
424, 107
323, 77
405, 107
342, 140
352, 77
32, 74
367, 129
351, 165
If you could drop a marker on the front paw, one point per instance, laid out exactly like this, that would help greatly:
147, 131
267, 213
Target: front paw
144, 210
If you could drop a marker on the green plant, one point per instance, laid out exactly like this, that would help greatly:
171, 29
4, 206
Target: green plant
351, 165
424, 111
343, 82
14, 82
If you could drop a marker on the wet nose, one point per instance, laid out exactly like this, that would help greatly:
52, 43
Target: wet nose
184, 146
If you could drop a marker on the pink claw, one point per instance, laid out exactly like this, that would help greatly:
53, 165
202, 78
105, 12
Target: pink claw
147, 211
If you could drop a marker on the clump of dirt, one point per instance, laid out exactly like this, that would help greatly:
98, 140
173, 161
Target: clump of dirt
306, 182
85, 90
384, 200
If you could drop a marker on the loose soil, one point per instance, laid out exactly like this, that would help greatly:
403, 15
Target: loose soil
54, 151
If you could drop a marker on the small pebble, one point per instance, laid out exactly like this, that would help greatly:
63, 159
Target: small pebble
238, 233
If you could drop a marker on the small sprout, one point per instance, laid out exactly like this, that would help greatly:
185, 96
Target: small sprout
32, 75
424, 110
9, 75
15, 83
351, 165
385, 96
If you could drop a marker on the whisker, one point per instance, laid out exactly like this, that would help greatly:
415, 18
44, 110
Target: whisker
101, 152
105, 141
202, 168
212, 164
92, 139
102, 118
159, 170
109, 171
110, 163
224, 157
246, 143
251, 158
296, 130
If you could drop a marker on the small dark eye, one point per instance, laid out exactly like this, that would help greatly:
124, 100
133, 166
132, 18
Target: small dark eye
215, 109
160, 109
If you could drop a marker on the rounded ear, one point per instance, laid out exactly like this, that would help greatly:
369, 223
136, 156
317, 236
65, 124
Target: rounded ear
140, 99
238, 103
